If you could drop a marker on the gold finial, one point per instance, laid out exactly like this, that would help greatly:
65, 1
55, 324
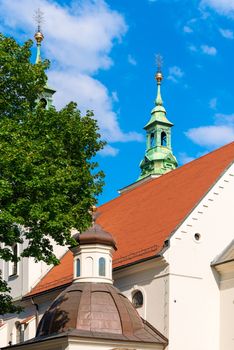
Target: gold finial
158, 75
93, 209
39, 37
93, 212
39, 19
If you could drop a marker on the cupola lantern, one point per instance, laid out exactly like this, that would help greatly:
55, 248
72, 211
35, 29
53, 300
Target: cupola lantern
93, 256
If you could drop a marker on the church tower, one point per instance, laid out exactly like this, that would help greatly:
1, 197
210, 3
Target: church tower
159, 158
46, 97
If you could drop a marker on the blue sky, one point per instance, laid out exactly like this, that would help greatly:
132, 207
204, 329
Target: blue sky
102, 55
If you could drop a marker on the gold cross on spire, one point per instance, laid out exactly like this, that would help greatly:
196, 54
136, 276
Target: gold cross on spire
159, 62
39, 18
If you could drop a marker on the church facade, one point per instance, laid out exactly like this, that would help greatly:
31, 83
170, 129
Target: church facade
174, 230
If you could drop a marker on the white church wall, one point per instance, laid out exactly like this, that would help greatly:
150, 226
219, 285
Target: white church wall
194, 295
13, 319
37, 270
102, 344
16, 282
31, 329
151, 278
43, 302
227, 313
4, 334
29, 310
28, 272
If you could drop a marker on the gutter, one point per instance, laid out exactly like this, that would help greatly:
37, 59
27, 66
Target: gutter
36, 311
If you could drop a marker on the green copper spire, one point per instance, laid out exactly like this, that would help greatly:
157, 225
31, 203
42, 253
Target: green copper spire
159, 101
39, 37
47, 96
159, 158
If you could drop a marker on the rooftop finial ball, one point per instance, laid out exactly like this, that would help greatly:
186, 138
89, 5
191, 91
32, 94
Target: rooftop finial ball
93, 209
39, 37
159, 76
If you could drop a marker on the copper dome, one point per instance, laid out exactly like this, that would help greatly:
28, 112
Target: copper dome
96, 310
95, 235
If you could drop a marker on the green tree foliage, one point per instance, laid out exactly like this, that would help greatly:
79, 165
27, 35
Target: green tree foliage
48, 180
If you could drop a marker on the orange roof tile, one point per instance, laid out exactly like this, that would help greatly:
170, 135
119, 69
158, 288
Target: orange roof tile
59, 275
141, 219
28, 319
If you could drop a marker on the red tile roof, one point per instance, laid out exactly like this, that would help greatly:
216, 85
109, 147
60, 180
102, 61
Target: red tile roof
141, 219
28, 319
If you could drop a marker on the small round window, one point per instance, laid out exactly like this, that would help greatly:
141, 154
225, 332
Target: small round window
43, 102
197, 236
137, 299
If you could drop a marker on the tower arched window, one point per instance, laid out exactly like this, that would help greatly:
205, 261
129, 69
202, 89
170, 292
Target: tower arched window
13, 265
43, 102
163, 139
78, 268
102, 267
152, 140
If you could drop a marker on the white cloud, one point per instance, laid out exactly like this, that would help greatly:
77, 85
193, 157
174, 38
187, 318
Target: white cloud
94, 94
187, 29
215, 135
185, 158
213, 103
205, 49
78, 41
211, 136
225, 7
132, 60
175, 73
192, 48
228, 119
115, 96
209, 50
80, 36
109, 151
227, 33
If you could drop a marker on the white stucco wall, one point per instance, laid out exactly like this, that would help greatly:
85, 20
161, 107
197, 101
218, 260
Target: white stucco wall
4, 335
29, 272
151, 278
98, 344
227, 312
43, 302
194, 294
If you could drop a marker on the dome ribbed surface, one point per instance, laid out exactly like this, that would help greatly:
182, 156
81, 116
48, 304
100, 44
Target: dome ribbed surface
95, 310
95, 307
